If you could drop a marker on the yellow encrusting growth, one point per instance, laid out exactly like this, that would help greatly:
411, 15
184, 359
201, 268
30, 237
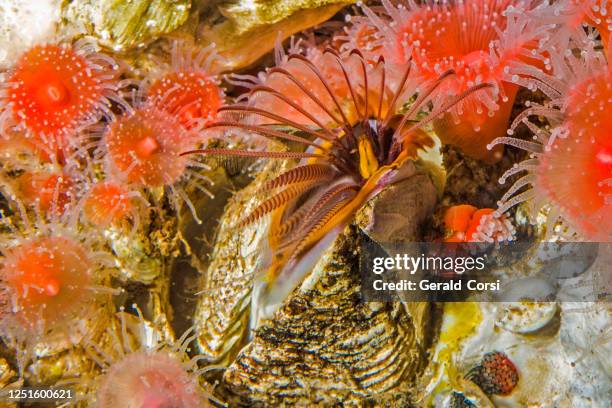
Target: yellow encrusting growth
461, 321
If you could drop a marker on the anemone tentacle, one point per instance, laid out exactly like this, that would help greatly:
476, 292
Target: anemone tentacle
570, 157
488, 41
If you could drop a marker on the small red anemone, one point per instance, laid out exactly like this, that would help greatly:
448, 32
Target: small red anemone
53, 90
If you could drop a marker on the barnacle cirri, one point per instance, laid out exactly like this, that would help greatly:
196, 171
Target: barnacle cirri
356, 134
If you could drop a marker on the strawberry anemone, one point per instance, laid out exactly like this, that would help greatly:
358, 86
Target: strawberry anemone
54, 90
483, 42
570, 162
51, 193
109, 203
54, 284
355, 136
142, 149
186, 88
150, 375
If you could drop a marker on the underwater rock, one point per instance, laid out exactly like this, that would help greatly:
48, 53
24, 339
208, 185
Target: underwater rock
248, 29
123, 25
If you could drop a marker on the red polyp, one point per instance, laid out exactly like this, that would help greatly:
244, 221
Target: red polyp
458, 217
466, 223
52, 90
150, 380
146, 145
469, 38
189, 94
107, 203
51, 193
50, 278
52, 94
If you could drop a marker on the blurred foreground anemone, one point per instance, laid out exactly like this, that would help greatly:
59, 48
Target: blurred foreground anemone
570, 163
483, 41
356, 134
145, 369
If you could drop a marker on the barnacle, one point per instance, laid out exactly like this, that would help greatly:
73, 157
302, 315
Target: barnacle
570, 163
356, 136
483, 43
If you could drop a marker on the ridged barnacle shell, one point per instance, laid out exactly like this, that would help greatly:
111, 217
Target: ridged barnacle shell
222, 310
324, 344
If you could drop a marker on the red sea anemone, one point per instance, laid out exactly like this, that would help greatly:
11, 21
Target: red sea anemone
54, 90
186, 88
53, 280
142, 148
109, 203
483, 41
570, 166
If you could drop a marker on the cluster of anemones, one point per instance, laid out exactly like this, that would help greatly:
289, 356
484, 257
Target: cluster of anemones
59, 104
81, 145
82, 152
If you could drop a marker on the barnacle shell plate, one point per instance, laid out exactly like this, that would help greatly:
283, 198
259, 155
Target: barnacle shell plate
323, 345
